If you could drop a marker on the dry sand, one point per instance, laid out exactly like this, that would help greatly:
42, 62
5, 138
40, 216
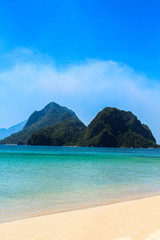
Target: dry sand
132, 220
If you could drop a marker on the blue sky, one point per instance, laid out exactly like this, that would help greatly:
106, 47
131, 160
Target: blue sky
71, 31
105, 53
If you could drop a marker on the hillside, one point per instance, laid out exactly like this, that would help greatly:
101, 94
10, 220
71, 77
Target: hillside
48, 116
14, 129
116, 128
55, 125
64, 133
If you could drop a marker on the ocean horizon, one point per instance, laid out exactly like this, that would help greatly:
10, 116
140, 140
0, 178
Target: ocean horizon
37, 180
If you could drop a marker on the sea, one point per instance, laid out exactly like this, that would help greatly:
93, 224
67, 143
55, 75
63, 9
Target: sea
38, 180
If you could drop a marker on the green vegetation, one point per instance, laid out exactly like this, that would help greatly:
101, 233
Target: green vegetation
132, 139
48, 116
65, 133
116, 128
58, 126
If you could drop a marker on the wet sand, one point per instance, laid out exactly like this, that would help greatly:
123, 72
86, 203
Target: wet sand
130, 220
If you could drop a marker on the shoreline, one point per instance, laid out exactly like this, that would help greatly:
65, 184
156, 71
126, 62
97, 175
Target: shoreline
81, 207
127, 220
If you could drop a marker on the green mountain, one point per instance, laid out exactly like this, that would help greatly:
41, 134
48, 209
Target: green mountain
116, 128
64, 133
55, 125
51, 114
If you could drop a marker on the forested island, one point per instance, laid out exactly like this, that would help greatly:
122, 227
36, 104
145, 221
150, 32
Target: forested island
56, 125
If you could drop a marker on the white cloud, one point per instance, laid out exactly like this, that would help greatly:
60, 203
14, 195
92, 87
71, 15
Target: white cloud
31, 81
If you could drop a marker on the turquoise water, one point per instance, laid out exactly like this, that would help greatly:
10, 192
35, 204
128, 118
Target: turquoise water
37, 180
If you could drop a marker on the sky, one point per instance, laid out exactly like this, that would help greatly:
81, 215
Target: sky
85, 55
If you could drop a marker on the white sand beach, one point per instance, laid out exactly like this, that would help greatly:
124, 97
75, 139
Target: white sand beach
131, 220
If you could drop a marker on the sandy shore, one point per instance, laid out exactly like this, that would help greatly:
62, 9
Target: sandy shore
132, 220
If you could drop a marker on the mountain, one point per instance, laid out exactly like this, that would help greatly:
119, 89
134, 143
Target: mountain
117, 128
59, 126
65, 133
14, 129
110, 128
49, 115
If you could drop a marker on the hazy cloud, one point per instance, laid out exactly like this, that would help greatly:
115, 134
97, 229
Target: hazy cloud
29, 80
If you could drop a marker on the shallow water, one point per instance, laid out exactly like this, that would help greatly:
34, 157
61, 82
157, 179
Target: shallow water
36, 180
